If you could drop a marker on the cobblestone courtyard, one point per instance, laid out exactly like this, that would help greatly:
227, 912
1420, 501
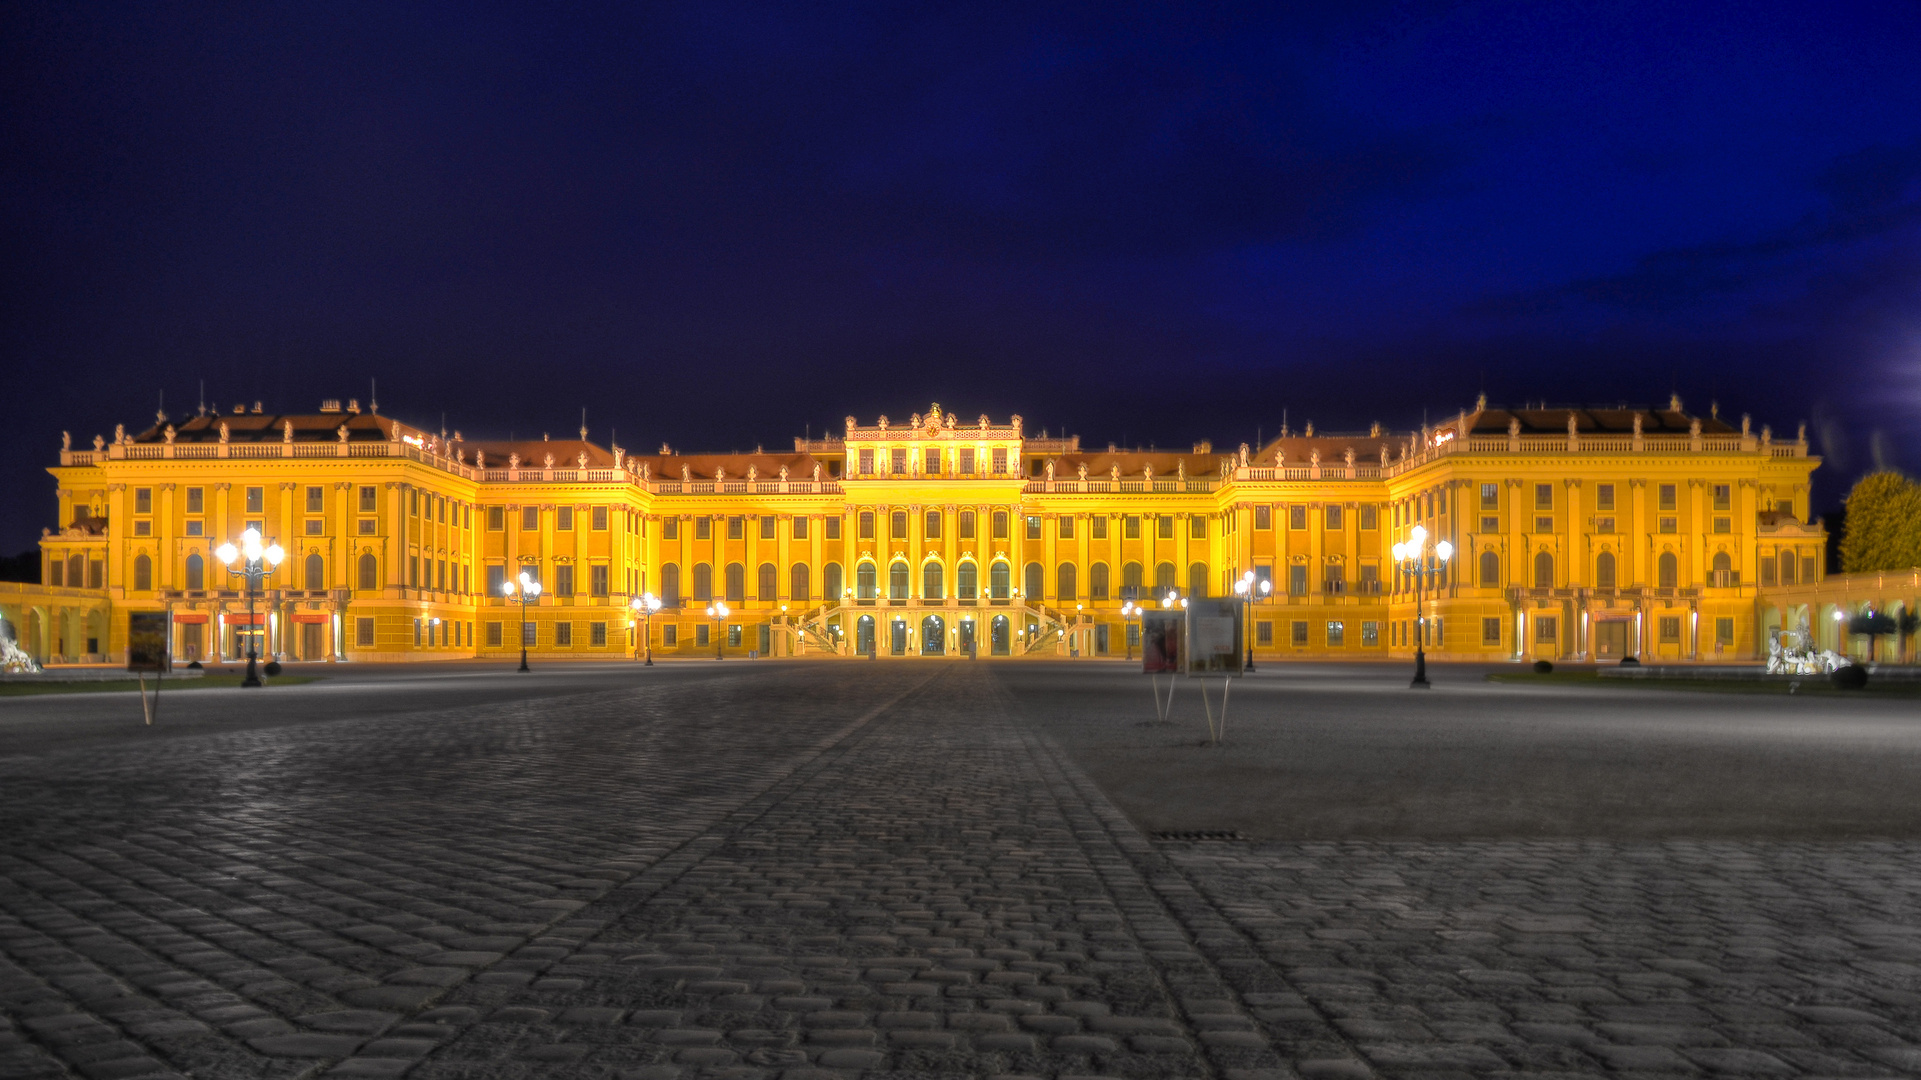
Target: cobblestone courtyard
762, 870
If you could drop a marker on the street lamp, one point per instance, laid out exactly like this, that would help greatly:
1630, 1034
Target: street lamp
1129, 611
529, 590
717, 611
644, 606
1246, 587
256, 563
1414, 556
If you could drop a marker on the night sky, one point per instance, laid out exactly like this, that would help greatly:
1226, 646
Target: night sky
721, 224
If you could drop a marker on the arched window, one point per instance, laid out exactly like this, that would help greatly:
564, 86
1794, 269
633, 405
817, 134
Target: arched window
1543, 570
966, 524
1667, 570
769, 582
797, 582
1787, 567
670, 585
1097, 581
933, 525
369, 571
1066, 588
898, 580
1197, 579
1000, 524
1490, 570
316, 571
1604, 570
703, 583
1036, 581
997, 581
1131, 577
967, 584
1164, 579
142, 572
196, 572
736, 583
830, 583
932, 582
865, 584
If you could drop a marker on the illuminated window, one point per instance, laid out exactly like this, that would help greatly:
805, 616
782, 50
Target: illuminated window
1033, 527
1336, 634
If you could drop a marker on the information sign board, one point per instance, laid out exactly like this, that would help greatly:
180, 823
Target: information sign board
147, 642
1213, 637
1161, 633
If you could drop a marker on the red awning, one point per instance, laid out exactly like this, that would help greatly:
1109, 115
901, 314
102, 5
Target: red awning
258, 618
310, 616
190, 616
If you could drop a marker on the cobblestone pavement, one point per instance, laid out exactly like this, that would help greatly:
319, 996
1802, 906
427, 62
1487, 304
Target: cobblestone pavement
838, 869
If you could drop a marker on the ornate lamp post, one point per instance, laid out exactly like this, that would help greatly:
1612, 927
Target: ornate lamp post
256, 563
717, 611
644, 606
1129, 612
1247, 588
529, 590
1414, 556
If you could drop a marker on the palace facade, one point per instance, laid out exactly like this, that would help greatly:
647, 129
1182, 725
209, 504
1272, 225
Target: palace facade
1580, 533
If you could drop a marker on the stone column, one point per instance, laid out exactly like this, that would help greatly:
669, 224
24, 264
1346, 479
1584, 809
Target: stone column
396, 538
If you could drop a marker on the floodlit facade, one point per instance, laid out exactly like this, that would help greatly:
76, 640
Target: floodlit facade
1578, 534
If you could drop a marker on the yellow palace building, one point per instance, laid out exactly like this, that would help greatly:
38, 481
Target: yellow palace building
1579, 533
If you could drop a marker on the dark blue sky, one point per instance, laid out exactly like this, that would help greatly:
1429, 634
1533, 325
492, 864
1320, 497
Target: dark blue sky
713, 224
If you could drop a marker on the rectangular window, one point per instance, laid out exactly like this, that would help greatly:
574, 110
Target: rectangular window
196, 500
530, 519
564, 580
1033, 527
597, 635
564, 519
1723, 497
931, 525
1490, 524
143, 528
1723, 525
1667, 496
1724, 633
1333, 517
364, 632
600, 575
800, 527
563, 633
1670, 629
413, 503
314, 505
670, 635
1544, 627
1131, 527
703, 528
1000, 460
143, 500
897, 525
736, 527
496, 579
416, 632
493, 635
1099, 524
1370, 518
1298, 634
1336, 634
1197, 527
1297, 517
1807, 568
733, 635
898, 459
1066, 526
866, 524
1370, 633
1164, 527
833, 528
1604, 496
967, 461
1264, 633
670, 528
257, 526
367, 526
315, 526
369, 499
1263, 517
1670, 525
1297, 579
1543, 524
703, 634
1490, 496
196, 528
496, 518
867, 462
1491, 630
600, 519
1603, 524
1544, 496
256, 500
930, 463
528, 630
767, 526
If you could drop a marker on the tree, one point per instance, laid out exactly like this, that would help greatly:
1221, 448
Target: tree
1883, 529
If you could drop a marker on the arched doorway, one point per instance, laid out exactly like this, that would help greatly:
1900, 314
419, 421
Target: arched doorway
864, 635
933, 636
997, 636
897, 637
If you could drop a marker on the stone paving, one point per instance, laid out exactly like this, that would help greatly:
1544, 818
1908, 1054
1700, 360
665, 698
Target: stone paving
850, 870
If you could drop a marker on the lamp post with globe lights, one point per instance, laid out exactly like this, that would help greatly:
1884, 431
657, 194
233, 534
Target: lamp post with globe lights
529, 591
1251, 588
1416, 557
717, 611
256, 562
644, 607
1129, 612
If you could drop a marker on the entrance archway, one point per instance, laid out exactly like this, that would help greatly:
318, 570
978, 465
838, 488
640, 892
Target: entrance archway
997, 636
933, 636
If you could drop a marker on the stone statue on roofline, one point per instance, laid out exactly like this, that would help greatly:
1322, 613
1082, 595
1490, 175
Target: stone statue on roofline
100, 442
513, 460
66, 440
169, 434
686, 473
783, 474
341, 431
550, 459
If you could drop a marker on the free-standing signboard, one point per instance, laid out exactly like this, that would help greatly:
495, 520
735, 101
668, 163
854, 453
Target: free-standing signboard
1214, 651
149, 651
1161, 634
